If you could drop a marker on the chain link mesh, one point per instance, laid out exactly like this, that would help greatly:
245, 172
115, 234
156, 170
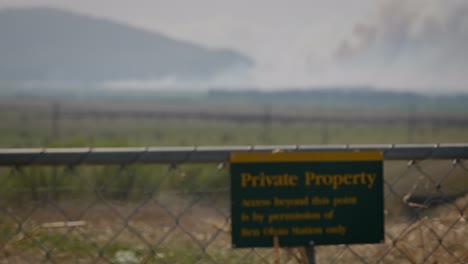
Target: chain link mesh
180, 213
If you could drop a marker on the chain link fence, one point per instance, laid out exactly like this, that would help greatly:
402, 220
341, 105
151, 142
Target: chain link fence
171, 205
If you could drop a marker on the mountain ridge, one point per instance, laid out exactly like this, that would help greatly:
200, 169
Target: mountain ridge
50, 44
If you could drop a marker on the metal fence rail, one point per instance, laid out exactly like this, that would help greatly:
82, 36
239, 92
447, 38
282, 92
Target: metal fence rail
71, 156
171, 205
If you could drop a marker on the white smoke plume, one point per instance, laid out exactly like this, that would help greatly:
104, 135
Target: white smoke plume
420, 42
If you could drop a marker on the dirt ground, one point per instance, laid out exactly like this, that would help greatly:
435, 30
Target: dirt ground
187, 229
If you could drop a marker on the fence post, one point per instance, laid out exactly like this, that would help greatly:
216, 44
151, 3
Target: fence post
55, 120
310, 252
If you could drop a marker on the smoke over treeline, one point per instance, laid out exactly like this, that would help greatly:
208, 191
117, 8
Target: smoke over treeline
426, 39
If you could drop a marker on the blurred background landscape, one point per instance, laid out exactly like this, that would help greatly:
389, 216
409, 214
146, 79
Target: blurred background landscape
151, 73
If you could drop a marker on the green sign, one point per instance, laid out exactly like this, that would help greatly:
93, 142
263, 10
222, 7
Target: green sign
302, 197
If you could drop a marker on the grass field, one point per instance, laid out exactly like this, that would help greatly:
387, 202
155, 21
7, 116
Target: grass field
42, 122
34, 196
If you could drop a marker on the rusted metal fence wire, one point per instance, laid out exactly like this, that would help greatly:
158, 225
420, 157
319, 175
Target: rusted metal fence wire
171, 205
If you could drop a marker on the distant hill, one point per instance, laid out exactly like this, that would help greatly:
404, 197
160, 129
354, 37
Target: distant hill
45, 44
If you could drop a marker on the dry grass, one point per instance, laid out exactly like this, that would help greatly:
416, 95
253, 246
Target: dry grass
184, 229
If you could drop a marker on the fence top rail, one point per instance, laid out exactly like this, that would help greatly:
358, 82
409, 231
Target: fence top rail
210, 154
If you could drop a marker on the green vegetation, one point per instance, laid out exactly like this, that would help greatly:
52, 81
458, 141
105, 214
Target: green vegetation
39, 130
192, 197
69, 246
26, 123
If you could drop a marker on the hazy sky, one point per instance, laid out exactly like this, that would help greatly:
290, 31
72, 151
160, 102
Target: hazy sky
400, 44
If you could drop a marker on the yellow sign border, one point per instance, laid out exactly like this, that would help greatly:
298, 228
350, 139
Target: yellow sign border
254, 157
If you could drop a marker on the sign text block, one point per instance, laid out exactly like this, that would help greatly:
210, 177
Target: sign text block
324, 197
